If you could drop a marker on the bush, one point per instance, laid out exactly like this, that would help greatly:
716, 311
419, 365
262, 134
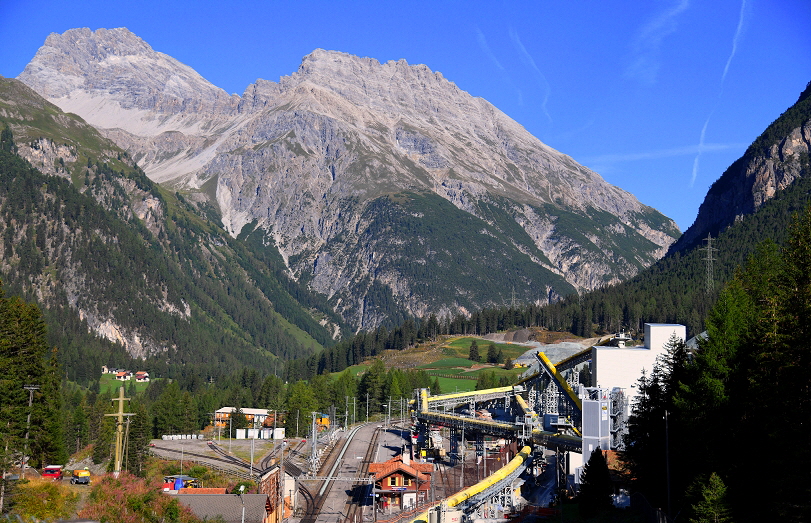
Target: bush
44, 499
129, 499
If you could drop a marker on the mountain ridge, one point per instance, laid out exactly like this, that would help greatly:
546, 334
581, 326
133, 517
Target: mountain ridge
115, 260
304, 157
773, 162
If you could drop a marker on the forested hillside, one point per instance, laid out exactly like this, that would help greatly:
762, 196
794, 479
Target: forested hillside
674, 290
124, 269
752, 367
775, 160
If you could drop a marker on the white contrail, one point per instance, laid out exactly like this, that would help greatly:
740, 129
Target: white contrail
738, 32
528, 60
735, 38
700, 150
485, 47
687, 150
648, 42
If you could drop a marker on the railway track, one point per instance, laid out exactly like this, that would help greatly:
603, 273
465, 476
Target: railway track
318, 499
231, 460
361, 491
309, 501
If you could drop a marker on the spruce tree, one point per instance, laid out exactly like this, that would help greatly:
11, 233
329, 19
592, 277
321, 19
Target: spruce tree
473, 353
300, 403
492, 354
708, 501
596, 487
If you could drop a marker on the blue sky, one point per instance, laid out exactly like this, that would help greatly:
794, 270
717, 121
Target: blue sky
659, 97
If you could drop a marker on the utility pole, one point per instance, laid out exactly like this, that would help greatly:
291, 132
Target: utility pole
313, 453
280, 484
119, 429
30, 389
667, 463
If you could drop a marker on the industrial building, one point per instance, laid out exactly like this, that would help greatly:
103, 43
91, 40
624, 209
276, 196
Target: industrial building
621, 366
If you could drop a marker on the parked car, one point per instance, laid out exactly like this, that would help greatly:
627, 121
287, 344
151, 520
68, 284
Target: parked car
52, 471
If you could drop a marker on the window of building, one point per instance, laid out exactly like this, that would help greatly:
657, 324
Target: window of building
407, 482
393, 481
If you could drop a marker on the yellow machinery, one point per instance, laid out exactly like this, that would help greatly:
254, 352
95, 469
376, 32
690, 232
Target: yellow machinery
80, 477
482, 485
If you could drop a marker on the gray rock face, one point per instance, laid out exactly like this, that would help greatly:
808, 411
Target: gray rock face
305, 159
763, 171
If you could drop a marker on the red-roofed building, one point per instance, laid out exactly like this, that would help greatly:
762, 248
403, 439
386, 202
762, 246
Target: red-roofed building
142, 376
123, 375
400, 484
202, 490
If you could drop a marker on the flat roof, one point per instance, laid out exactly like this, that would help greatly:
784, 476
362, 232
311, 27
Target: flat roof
254, 412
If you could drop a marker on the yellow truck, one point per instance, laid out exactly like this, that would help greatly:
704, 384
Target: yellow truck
80, 477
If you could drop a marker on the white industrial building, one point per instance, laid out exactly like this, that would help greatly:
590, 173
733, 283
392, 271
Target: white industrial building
615, 372
623, 366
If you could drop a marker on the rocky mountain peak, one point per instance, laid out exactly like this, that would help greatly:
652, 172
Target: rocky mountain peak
395, 88
108, 75
321, 159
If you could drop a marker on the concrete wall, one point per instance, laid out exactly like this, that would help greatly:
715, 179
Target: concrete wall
658, 334
622, 367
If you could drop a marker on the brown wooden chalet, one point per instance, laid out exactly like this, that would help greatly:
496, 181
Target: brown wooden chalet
400, 484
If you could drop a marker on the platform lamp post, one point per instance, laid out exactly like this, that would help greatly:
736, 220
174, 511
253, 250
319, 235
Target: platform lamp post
30, 389
241, 492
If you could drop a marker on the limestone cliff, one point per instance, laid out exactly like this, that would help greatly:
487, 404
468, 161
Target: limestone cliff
315, 161
774, 161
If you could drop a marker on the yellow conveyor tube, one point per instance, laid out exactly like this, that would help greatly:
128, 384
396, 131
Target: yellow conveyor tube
561, 380
482, 485
458, 395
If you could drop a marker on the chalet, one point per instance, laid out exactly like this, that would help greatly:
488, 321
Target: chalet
123, 375
400, 484
142, 376
255, 417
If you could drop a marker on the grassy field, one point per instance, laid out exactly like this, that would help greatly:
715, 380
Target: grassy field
449, 385
500, 371
460, 347
449, 363
355, 370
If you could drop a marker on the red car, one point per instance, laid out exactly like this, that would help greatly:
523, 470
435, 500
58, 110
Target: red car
52, 471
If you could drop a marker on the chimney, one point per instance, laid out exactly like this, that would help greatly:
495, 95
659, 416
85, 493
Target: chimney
406, 456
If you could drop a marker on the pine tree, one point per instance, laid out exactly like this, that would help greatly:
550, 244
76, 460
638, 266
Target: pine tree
238, 420
492, 354
138, 442
435, 388
80, 426
708, 501
596, 487
473, 353
300, 403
